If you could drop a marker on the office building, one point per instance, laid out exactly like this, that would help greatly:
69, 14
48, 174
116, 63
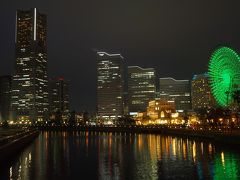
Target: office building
141, 88
5, 97
201, 92
30, 81
110, 82
176, 90
59, 97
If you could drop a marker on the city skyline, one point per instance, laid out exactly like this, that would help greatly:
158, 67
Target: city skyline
185, 47
146, 89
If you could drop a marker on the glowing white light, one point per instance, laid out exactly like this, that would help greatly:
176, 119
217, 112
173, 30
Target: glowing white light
133, 113
104, 53
169, 78
152, 69
35, 23
16, 29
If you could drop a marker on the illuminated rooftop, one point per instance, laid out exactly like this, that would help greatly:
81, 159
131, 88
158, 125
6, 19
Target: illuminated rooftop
170, 78
101, 53
140, 68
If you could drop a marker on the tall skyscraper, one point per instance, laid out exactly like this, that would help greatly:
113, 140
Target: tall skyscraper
5, 97
30, 80
176, 90
110, 82
201, 92
59, 96
141, 88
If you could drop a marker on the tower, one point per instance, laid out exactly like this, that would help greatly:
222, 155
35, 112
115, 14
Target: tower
176, 90
201, 92
59, 97
141, 88
110, 83
30, 81
5, 96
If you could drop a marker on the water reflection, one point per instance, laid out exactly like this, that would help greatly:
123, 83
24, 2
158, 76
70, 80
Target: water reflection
71, 155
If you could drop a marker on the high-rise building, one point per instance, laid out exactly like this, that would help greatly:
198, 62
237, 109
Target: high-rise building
5, 96
59, 96
30, 80
201, 92
110, 82
141, 88
176, 90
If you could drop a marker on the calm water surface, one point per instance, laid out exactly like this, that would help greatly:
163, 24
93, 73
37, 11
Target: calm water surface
83, 155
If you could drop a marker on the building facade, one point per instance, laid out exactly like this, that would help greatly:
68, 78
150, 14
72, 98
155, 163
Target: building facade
5, 97
30, 81
201, 92
160, 109
59, 97
176, 90
110, 82
141, 88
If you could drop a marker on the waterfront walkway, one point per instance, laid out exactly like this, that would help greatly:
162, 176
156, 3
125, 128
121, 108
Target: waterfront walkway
14, 139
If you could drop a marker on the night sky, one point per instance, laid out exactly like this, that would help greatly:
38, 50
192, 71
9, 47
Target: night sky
174, 36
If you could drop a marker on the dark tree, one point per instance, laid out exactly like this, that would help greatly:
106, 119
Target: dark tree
72, 119
85, 117
126, 120
58, 117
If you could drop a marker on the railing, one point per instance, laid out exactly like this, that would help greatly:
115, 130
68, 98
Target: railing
7, 139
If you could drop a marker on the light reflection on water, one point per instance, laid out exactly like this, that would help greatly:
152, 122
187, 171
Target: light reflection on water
71, 155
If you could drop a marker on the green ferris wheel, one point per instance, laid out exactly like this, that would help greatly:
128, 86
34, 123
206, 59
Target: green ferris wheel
224, 75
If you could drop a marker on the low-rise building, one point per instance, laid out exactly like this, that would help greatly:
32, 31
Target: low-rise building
160, 109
